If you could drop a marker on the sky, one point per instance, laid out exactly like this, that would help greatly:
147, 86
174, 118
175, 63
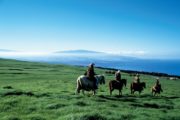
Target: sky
143, 28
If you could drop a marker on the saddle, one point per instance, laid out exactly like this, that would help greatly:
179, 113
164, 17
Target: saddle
93, 79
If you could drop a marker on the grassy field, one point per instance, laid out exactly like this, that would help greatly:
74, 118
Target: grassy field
37, 91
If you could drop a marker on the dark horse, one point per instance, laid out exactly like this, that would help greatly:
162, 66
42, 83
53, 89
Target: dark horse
114, 84
137, 87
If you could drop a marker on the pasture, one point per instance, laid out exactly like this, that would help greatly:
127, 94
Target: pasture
39, 91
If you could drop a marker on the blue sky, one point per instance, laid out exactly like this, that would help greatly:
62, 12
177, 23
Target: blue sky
143, 28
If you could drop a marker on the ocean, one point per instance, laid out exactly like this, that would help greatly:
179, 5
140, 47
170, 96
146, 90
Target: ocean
171, 67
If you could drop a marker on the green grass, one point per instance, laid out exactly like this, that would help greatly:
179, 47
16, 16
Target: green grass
37, 91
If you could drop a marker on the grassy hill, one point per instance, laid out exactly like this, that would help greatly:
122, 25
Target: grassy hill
38, 91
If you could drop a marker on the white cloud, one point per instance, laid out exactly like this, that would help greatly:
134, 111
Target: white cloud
130, 53
11, 54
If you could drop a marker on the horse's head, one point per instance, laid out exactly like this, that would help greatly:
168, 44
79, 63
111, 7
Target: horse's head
143, 84
100, 79
124, 82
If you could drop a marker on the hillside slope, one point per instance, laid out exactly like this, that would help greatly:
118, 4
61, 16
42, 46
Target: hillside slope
38, 91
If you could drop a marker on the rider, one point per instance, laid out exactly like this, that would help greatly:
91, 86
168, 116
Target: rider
137, 79
90, 74
118, 75
157, 85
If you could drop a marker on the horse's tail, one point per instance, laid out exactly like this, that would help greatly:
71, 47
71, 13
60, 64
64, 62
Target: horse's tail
79, 85
110, 85
152, 90
80, 82
131, 88
103, 78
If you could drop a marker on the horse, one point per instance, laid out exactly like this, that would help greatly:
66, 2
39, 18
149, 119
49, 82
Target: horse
83, 83
114, 84
156, 89
137, 87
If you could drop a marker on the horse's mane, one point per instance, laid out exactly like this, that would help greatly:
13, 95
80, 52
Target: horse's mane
100, 79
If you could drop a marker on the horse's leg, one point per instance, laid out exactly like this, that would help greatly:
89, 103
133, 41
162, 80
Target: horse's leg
152, 92
94, 92
111, 91
132, 92
120, 93
155, 93
83, 92
77, 91
110, 88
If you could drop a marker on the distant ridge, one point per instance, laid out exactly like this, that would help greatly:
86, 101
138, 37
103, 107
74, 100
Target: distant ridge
80, 51
5, 50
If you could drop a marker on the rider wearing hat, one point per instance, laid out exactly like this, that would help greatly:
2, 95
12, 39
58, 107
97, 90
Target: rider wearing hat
90, 74
157, 82
137, 79
118, 75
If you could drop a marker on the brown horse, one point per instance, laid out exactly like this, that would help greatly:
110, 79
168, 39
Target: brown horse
156, 89
137, 87
114, 84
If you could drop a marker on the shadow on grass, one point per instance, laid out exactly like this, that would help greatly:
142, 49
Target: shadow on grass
15, 73
81, 103
158, 97
127, 117
36, 117
93, 117
16, 69
170, 118
20, 93
119, 98
12, 118
8, 87
152, 105
17, 93
135, 101
55, 106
